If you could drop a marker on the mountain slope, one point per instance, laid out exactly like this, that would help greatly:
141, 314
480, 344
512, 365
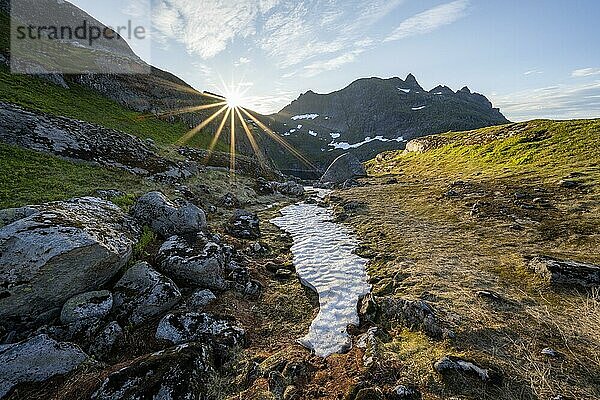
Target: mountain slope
373, 114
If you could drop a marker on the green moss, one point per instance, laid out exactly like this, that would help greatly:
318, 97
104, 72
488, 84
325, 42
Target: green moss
146, 239
550, 148
29, 177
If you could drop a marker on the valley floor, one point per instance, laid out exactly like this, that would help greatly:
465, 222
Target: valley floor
451, 240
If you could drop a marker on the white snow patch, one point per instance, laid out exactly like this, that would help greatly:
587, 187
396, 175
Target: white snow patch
305, 116
324, 261
418, 108
368, 139
292, 130
335, 135
438, 93
404, 90
312, 133
299, 127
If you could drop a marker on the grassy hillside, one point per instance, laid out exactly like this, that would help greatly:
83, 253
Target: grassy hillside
30, 177
548, 148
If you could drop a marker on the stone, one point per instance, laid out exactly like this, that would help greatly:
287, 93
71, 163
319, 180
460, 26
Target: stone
66, 248
106, 339
566, 272
550, 352
371, 345
87, 306
289, 188
193, 260
181, 372
143, 293
190, 327
36, 360
449, 364
345, 167
404, 392
263, 186
201, 298
414, 314
244, 225
167, 218
10, 215
283, 274
229, 201
569, 184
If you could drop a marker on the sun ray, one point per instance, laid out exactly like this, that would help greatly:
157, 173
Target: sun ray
215, 139
280, 140
184, 110
232, 146
251, 138
188, 136
213, 96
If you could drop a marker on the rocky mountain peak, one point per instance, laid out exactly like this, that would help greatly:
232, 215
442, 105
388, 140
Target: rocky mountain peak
411, 81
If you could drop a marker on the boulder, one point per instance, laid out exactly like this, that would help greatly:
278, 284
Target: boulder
64, 249
345, 167
106, 339
143, 293
87, 306
167, 218
263, 186
190, 327
404, 392
178, 373
10, 215
201, 298
414, 314
36, 360
229, 201
561, 272
193, 260
290, 188
244, 225
451, 364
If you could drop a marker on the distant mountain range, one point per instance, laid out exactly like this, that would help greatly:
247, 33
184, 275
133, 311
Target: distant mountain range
372, 115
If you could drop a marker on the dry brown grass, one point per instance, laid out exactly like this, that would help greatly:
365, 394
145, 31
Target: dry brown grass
429, 246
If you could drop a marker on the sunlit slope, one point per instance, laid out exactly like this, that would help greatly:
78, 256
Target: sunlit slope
546, 148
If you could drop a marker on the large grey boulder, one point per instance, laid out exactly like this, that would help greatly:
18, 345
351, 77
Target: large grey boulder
189, 327
345, 167
178, 373
143, 293
87, 306
36, 360
563, 272
195, 261
167, 218
64, 249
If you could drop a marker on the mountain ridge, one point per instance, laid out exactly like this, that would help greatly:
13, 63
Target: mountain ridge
376, 114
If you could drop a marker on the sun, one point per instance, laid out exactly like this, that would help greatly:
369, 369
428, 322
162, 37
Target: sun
231, 112
235, 97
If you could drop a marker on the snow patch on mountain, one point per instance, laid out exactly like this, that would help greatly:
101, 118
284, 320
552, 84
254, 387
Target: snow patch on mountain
368, 139
305, 116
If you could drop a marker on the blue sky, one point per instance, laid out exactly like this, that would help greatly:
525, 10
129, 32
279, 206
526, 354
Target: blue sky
532, 58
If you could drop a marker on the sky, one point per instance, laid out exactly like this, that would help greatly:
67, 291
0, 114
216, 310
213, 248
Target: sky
532, 58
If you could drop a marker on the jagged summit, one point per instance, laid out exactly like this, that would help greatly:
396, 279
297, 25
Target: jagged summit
373, 114
411, 81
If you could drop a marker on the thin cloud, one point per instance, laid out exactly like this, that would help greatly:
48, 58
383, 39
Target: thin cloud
533, 72
553, 102
430, 20
580, 73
